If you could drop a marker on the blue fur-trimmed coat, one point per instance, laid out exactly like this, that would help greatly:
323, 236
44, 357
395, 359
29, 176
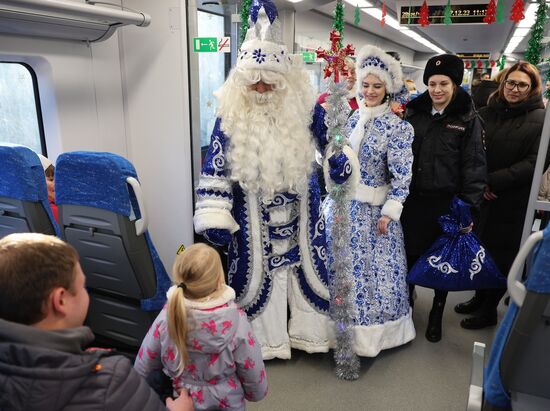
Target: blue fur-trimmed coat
224, 204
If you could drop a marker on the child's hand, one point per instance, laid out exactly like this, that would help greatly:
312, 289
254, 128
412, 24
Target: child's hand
183, 403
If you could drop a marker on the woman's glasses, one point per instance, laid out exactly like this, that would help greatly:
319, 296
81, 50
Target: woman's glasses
522, 86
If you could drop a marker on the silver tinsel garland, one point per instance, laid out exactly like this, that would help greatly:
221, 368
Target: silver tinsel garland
342, 300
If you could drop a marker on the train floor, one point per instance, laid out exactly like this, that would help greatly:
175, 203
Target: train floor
419, 376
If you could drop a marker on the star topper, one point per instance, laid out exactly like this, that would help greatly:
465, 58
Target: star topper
335, 57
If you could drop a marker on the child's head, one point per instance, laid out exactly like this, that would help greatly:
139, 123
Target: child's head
198, 273
41, 282
49, 171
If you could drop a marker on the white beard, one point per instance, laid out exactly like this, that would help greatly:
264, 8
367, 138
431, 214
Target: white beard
272, 150
270, 145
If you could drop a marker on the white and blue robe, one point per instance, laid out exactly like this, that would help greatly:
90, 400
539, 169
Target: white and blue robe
382, 143
277, 256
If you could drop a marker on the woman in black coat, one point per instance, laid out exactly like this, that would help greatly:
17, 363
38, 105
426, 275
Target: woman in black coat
513, 123
449, 160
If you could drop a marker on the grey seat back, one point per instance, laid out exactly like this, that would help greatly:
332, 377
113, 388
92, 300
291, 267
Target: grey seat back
103, 218
24, 205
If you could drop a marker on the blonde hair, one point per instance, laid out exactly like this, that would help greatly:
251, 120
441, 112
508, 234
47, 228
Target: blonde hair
198, 272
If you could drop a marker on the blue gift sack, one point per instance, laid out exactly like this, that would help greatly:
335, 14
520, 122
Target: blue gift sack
457, 261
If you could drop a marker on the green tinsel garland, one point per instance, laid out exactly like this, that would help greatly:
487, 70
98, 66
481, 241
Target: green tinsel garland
447, 20
532, 55
502, 62
500, 11
245, 14
357, 16
338, 23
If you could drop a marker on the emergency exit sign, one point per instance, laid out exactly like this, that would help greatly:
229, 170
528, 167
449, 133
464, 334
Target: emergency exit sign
308, 56
212, 44
205, 44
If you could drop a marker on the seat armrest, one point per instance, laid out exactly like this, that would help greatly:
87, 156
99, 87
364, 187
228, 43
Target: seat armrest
475, 396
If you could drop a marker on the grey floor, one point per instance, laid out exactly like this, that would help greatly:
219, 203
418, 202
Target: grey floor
418, 376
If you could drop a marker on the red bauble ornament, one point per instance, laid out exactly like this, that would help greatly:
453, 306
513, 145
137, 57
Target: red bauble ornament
493, 62
479, 64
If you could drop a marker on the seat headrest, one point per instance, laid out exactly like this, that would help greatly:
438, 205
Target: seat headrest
538, 278
97, 180
21, 174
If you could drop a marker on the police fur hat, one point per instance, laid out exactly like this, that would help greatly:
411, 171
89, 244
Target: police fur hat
447, 64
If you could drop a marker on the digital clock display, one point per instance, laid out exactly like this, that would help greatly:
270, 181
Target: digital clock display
474, 56
460, 14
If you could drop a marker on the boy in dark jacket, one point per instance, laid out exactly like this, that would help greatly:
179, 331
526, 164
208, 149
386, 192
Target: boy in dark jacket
43, 304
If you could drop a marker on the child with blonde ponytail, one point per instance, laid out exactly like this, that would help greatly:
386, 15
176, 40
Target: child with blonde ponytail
202, 340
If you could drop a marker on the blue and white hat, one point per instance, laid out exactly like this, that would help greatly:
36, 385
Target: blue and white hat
374, 60
262, 48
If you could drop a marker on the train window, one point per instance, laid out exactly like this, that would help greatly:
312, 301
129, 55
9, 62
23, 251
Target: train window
20, 115
212, 73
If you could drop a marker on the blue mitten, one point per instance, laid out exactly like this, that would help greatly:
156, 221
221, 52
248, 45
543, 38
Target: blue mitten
339, 168
217, 236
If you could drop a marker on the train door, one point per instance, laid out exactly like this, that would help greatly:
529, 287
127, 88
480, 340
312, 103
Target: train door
212, 50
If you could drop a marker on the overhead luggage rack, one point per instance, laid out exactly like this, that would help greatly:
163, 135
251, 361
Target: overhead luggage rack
62, 19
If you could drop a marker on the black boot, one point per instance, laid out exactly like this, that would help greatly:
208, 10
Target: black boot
433, 332
470, 306
480, 321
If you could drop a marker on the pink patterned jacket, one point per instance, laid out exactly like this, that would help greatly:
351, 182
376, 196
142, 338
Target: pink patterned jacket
225, 361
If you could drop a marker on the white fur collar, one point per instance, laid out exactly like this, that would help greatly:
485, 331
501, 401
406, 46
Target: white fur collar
365, 114
226, 296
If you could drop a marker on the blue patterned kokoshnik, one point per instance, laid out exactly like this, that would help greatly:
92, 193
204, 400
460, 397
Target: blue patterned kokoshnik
376, 62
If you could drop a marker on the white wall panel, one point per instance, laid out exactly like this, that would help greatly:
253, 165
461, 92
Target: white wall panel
154, 71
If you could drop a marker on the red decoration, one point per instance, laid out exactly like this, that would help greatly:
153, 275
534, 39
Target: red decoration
424, 19
383, 21
467, 64
517, 11
479, 64
335, 57
493, 63
490, 13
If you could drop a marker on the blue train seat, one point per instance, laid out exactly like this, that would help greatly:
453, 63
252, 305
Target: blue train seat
102, 215
517, 376
24, 205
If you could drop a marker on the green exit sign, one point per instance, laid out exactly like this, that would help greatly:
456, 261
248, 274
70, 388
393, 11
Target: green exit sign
309, 56
205, 44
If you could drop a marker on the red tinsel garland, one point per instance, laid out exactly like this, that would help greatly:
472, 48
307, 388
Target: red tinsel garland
490, 13
517, 11
424, 19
